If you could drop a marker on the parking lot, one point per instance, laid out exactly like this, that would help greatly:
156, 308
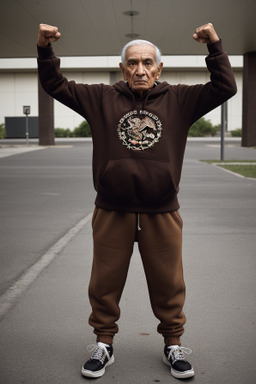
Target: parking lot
47, 198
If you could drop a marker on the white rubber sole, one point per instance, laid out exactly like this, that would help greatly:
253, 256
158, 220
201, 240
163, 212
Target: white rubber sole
100, 373
177, 374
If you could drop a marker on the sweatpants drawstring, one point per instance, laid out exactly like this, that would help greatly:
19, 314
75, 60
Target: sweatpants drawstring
138, 227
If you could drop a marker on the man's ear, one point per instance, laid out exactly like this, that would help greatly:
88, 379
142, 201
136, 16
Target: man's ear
121, 66
159, 70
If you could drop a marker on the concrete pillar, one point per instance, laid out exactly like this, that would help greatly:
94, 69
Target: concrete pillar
46, 117
249, 100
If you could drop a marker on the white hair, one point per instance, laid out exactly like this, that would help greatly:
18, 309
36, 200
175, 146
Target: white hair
139, 42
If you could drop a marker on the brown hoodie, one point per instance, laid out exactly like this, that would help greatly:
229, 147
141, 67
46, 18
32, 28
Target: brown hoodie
139, 143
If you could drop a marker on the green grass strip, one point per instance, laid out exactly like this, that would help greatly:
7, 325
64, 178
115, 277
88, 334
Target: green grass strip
246, 170
228, 161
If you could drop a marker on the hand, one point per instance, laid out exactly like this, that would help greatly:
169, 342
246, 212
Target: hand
47, 34
206, 34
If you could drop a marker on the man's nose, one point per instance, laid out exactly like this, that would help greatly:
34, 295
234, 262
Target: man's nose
140, 70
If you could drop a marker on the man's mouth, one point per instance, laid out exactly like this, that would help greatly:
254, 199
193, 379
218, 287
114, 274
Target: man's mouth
140, 82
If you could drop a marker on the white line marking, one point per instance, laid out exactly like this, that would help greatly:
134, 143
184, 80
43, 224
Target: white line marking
12, 151
9, 298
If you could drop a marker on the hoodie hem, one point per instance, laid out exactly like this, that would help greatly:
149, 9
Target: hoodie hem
170, 206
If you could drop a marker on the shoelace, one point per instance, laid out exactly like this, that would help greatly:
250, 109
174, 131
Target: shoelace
98, 353
178, 353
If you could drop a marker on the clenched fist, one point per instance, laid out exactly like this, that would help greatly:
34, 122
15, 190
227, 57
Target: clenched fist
206, 34
47, 34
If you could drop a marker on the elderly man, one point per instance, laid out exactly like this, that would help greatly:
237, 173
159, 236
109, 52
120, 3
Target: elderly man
139, 128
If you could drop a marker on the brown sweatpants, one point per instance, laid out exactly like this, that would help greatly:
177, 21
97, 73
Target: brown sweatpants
160, 246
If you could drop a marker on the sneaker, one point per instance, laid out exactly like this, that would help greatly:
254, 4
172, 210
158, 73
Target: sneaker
102, 357
175, 358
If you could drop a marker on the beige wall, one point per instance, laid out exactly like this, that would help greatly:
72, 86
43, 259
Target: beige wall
16, 90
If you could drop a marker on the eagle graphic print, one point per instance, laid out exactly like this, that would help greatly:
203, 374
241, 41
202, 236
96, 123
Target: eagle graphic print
139, 130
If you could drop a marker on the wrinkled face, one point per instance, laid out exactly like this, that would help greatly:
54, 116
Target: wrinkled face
141, 70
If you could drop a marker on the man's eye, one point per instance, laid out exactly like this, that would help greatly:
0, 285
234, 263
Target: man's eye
148, 63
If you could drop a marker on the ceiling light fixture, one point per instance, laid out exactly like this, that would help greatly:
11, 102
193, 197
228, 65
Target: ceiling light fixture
131, 14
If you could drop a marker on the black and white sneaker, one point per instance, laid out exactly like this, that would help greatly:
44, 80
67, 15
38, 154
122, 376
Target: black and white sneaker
175, 358
102, 357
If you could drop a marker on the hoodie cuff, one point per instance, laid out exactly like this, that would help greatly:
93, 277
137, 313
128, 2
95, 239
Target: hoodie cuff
215, 48
45, 53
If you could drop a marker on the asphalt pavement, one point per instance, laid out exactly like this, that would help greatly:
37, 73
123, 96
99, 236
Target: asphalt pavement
46, 251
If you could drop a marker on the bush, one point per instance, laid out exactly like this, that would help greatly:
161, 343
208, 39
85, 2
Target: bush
203, 128
2, 131
236, 132
60, 132
83, 130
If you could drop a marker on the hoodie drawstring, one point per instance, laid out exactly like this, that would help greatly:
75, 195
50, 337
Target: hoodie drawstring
138, 225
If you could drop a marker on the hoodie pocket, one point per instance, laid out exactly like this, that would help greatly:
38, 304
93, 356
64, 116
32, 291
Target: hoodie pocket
138, 181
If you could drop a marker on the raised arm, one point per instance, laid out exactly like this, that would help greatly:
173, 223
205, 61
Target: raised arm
82, 98
195, 101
